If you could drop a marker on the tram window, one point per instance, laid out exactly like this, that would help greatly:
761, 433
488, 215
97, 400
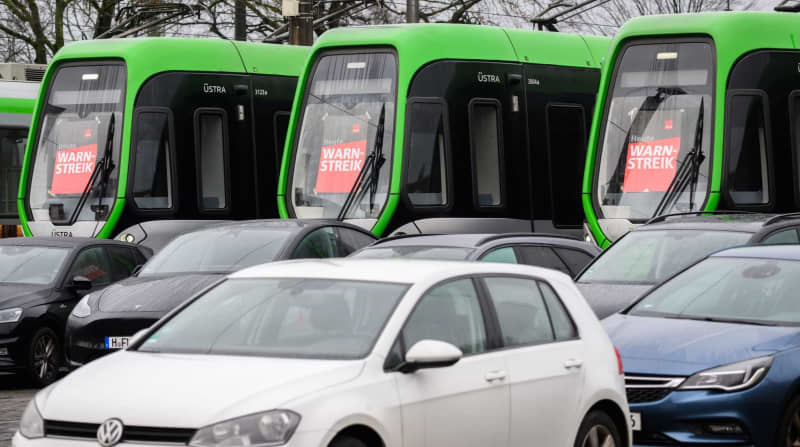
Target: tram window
566, 137
747, 168
211, 147
426, 172
12, 151
152, 169
794, 129
485, 142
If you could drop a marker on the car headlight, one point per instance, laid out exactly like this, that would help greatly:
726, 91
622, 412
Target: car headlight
31, 425
82, 309
272, 428
733, 377
10, 315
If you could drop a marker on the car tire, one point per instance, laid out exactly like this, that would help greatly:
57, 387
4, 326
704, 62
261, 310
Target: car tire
598, 430
347, 441
44, 357
789, 432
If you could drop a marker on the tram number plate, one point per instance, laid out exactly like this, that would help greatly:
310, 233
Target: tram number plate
636, 421
117, 342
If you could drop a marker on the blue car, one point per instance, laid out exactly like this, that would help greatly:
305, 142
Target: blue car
712, 355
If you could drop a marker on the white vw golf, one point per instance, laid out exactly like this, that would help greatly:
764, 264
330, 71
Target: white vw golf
353, 353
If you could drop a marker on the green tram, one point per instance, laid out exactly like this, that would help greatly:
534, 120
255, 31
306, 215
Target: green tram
133, 130
19, 88
695, 113
394, 125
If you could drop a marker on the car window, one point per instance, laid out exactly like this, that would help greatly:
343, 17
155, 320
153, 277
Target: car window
543, 257
319, 243
563, 326
505, 254
351, 240
520, 310
451, 313
123, 261
92, 264
576, 260
788, 236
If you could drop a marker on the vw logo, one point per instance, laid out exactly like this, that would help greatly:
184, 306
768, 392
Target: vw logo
110, 432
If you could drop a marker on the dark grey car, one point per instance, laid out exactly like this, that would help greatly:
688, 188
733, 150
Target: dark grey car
651, 253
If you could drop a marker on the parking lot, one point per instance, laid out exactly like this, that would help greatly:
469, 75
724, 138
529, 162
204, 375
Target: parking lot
13, 398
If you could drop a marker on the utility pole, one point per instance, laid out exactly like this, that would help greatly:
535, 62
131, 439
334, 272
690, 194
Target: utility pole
301, 26
412, 11
239, 20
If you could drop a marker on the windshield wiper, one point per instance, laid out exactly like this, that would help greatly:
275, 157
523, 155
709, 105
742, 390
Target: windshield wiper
687, 174
367, 179
102, 170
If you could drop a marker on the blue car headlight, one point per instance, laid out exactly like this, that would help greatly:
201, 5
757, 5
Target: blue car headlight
734, 377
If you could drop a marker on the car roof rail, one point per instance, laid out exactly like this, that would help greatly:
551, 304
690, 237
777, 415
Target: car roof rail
779, 217
497, 236
664, 217
402, 236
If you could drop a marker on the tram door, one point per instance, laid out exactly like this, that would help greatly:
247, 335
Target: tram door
481, 108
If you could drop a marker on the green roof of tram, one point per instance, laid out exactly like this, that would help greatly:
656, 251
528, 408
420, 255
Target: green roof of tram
418, 44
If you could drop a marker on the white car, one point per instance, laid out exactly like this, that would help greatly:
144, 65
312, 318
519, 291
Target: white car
353, 353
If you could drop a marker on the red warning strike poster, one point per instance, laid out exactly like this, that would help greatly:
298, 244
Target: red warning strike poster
339, 165
73, 168
652, 159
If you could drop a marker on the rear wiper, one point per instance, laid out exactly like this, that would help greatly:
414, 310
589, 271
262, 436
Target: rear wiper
102, 170
687, 174
367, 179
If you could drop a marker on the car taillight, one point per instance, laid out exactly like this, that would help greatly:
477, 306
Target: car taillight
619, 362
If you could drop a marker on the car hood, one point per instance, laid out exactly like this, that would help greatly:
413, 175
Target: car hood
608, 298
183, 390
152, 293
676, 347
16, 295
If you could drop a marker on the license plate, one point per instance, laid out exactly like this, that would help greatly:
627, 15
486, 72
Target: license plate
636, 421
117, 342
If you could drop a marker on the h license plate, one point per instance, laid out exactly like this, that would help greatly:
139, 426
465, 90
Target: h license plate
636, 421
117, 342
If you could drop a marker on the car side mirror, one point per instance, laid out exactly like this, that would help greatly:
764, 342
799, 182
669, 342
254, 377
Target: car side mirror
80, 283
430, 354
137, 337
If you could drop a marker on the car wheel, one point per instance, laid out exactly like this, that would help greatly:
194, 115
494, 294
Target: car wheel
789, 434
347, 441
598, 430
44, 357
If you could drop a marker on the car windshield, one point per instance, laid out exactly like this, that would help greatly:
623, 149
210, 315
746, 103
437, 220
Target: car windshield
653, 126
25, 264
71, 137
650, 256
419, 252
345, 100
747, 290
218, 250
295, 318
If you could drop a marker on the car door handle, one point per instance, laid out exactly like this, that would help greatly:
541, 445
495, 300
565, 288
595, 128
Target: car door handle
573, 363
494, 376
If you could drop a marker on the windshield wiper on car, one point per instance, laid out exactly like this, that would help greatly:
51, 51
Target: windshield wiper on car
367, 179
687, 174
102, 171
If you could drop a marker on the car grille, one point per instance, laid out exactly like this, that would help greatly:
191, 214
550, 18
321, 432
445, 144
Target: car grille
641, 389
133, 434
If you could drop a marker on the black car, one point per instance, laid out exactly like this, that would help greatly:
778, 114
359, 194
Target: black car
41, 279
557, 252
651, 253
105, 321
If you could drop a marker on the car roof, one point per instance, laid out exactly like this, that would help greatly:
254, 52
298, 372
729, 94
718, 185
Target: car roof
473, 240
277, 224
71, 242
789, 252
404, 271
751, 223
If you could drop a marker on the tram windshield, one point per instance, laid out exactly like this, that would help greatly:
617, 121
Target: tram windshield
346, 127
80, 127
656, 149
